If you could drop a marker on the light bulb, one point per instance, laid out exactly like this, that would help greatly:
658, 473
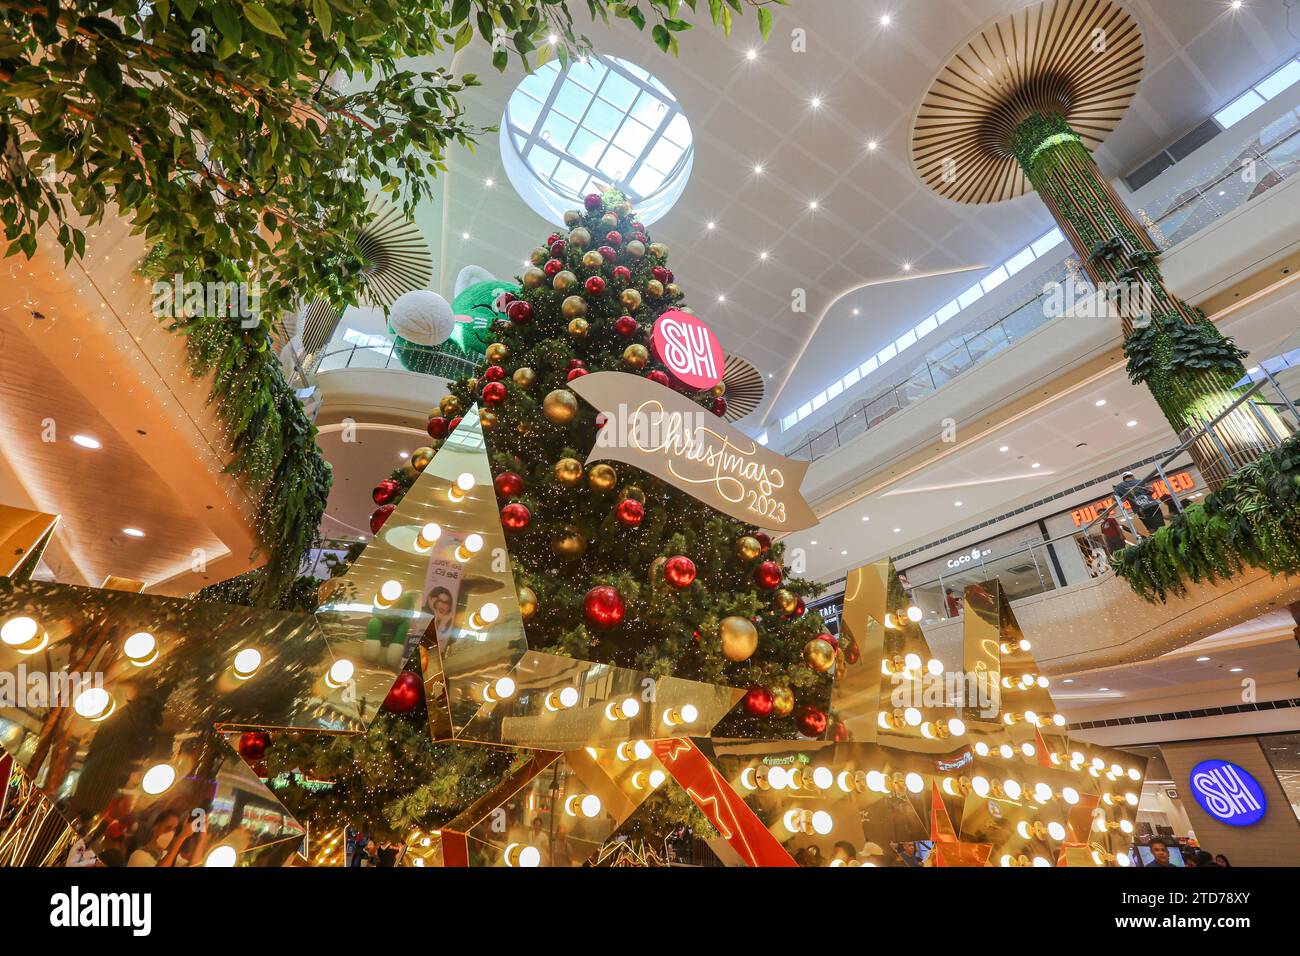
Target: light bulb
1122, 860
1134, 774
1006, 751
956, 727
1125, 826
158, 778
915, 782
501, 690
1070, 795
529, 856
951, 787
471, 546
980, 785
1041, 861
427, 536
934, 666
1022, 828
141, 648
791, 820
93, 703
876, 781
1042, 792
912, 716
776, 777
657, 777
912, 662
223, 855
464, 483
24, 634
388, 593
340, 672
624, 709
747, 779
677, 716
981, 748
1056, 831
914, 614
1012, 789
1028, 749
1131, 799
485, 615
823, 778
562, 699
247, 661
821, 822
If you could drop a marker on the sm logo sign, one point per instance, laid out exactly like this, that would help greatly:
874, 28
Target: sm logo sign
1228, 793
689, 348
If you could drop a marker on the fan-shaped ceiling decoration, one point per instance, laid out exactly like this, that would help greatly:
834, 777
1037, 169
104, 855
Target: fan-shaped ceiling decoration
1079, 58
395, 257
745, 387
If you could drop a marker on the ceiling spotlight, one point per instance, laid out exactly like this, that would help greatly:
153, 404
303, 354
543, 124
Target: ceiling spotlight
85, 441
1036, 465
722, 298
751, 54
763, 254
488, 183
758, 169
897, 530
857, 311
1103, 688
1202, 659
866, 518
871, 145
464, 235
1100, 402
815, 102
956, 504
224, 855
710, 224
1131, 423
907, 267
886, 19
812, 204
133, 532
1004, 448
1236, 4
1235, 670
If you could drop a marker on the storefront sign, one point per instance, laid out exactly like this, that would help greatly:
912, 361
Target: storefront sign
1228, 793
689, 348
666, 434
1179, 481
971, 557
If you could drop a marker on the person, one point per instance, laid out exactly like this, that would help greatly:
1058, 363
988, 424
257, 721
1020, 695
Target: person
909, 854
370, 855
952, 602
1111, 535
1204, 858
1159, 854
162, 847
843, 854
443, 607
1139, 496
1221, 860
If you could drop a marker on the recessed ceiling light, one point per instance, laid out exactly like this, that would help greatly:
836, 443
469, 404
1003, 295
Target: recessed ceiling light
897, 530
133, 532
1236, 4
751, 54
872, 144
956, 504
886, 19
812, 204
1068, 680
866, 518
1235, 670
722, 298
1103, 688
1004, 448
812, 542
1202, 659
711, 224
85, 441
815, 102
403, 454
1131, 423
1100, 402
843, 552
856, 311
758, 169
488, 183
1036, 465
464, 235
907, 267
763, 254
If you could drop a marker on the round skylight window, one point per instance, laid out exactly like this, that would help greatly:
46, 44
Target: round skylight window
598, 123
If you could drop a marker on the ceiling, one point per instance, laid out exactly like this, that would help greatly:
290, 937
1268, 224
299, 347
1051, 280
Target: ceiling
872, 214
358, 466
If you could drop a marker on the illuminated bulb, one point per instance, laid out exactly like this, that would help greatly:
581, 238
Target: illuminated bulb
1028, 749
588, 805
1041, 861
951, 787
914, 614
1056, 831
821, 822
956, 727
1042, 792
247, 662
1098, 763
464, 483
427, 536
562, 699
94, 703
912, 716
934, 666
676, 716
1043, 681
1006, 751
472, 545
1116, 769
501, 690
1012, 789
158, 778
141, 649
844, 780
1007, 860
823, 778
85, 441
624, 709
912, 662
876, 781
1125, 826
1122, 860
388, 593
980, 785
915, 782
1023, 829
981, 748
890, 623
1058, 720
657, 777
1070, 795
485, 615
1134, 774
1024, 645
791, 820
776, 777
747, 779
1131, 799
223, 855
1031, 717
18, 631
340, 673
521, 854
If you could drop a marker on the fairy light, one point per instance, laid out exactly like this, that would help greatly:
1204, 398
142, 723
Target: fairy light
427, 537
471, 546
624, 709
501, 689
463, 485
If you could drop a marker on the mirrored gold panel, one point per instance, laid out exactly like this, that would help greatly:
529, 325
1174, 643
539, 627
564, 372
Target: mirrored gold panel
23, 537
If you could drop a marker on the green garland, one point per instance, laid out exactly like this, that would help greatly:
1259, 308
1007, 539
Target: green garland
1170, 345
1252, 521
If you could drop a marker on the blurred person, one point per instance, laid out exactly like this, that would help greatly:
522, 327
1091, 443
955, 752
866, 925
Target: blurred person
162, 847
1159, 854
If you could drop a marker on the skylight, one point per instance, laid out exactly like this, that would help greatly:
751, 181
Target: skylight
1259, 94
598, 123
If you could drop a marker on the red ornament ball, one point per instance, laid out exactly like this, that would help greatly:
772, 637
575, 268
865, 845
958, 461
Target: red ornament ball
660, 273
379, 516
622, 274
451, 425
557, 248
515, 517
575, 373
253, 744
593, 202
552, 266
553, 238
520, 312
575, 363
655, 375
679, 571
719, 406
405, 694
508, 484
626, 326
608, 253
629, 512
494, 393
764, 540
614, 237
829, 638
494, 373
758, 701
840, 733
384, 491
602, 608
437, 427
768, 575
810, 720
595, 285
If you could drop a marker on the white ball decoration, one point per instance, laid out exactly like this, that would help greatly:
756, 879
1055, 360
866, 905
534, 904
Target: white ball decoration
422, 317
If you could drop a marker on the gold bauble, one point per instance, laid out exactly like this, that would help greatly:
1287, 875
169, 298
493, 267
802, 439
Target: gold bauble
539, 256
563, 281
421, 457
784, 601
819, 655
527, 603
449, 406
568, 471
593, 259
654, 288
409, 471
497, 352
602, 477
739, 638
623, 208
579, 328
658, 250
717, 391
782, 701
609, 220
673, 289
636, 355
574, 307
487, 419
472, 384
636, 248
524, 377
632, 491
569, 543
580, 238
534, 278
572, 217
631, 299
748, 548
560, 406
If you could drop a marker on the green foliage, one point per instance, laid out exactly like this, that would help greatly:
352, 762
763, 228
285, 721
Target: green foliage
244, 589
1253, 521
1168, 345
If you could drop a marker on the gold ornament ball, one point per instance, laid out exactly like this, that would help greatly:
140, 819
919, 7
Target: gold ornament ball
471, 384
658, 250
527, 603
632, 491
673, 289
534, 278
580, 238
631, 299
421, 457
636, 248
602, 477
636, 355
578, 328
487, 419
568, 472
739, 638
564, 281
819, 655
524, 377
449, 406
572, 217
609, 220
569, 544
593, 259
654, 288
782, 701
409, 471
574, 307
623, 208
560, 406
497, 352
717, 391
784, 601
538, 256
748, 548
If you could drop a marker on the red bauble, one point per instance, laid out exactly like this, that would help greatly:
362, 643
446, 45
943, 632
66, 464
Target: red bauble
800, 608
655, 375
608, 253
405, 694
829, 638
557, 248
494, 393
626, 326
840, 733
764, 540
575, 363
768, 575
614, 237
384, 491
575, 373
552, 239
593, 202
519, 311
451, 425
438, 427
601, 419
494, 373
253, 744
629, 512
552, 266
719, 406
660, 273
595, 285
602, 608
508, 484
379, 516
810, 720
679, 571
515, 517
622, 274
758, 701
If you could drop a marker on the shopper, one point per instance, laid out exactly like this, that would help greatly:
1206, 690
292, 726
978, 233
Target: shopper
1139, 496
1221, 860
1111, 535
952, 602
1159, 854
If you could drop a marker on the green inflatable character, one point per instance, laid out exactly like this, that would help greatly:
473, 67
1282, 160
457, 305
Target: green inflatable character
480, 300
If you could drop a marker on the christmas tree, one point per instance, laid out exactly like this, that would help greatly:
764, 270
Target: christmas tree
613, 564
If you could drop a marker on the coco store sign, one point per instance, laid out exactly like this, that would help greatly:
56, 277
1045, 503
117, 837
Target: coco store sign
972, 556
1228, 793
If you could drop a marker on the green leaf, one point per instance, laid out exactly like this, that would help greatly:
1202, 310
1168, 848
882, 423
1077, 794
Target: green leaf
765, 23
661, 37
324, 16
260, 17
464, 35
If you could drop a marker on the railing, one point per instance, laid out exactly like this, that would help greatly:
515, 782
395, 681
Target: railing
424, 359
1234, 178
